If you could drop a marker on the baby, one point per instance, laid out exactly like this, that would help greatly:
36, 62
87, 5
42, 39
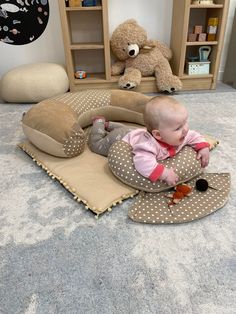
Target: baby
166, 133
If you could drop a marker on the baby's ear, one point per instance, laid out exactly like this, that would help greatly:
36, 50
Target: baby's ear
156, 134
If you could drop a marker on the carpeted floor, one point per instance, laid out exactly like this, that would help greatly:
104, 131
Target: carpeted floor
55, 257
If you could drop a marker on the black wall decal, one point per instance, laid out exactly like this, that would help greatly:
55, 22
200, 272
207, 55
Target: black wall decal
22, 21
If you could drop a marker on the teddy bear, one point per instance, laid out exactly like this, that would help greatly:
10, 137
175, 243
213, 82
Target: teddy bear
137, 56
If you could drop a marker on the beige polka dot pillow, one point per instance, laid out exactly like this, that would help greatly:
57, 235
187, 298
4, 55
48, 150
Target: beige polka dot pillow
120, 160
153, 207
54, 125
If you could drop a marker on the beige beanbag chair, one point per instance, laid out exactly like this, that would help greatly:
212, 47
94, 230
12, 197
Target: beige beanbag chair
32, 83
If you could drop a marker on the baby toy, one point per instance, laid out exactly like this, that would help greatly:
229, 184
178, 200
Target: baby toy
79, 74
139, 57
202, 185
181, 191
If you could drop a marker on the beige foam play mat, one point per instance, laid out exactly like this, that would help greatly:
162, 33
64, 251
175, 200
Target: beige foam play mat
86, 176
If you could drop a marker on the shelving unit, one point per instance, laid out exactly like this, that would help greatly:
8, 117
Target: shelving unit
87, 47
86, 43
185, 16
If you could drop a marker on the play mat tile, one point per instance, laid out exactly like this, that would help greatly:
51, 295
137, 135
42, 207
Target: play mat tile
153, 207
86, 176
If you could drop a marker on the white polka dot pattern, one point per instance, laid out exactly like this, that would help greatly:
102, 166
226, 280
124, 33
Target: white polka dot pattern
152, 207
85, 100
75, 143
120, 160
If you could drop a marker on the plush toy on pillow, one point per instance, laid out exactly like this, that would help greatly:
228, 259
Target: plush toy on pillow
139, 57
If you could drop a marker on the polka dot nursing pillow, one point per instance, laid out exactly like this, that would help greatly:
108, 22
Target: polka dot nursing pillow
56, 125
120, 160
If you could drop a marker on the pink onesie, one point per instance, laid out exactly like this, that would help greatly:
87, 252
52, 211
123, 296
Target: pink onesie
147, 150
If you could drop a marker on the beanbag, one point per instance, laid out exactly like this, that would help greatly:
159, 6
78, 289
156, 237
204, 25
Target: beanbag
32, 83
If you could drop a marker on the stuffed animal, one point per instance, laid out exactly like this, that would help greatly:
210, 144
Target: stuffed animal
139, 57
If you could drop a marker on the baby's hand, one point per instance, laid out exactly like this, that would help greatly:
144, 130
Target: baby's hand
169, 176
203, 154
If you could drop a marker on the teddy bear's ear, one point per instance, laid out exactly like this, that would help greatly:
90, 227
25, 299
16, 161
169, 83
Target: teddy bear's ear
149, 44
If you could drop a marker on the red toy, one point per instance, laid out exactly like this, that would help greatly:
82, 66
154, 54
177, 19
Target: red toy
181, 191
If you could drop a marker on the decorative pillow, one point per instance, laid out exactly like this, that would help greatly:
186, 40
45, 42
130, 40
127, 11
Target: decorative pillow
120, 160
153, 207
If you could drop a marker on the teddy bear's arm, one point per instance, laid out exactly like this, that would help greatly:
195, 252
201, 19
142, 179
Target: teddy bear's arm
117, 68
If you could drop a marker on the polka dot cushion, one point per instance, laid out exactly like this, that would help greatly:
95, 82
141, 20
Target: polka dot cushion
53, 125
86, 100
75, 143
153, 207
120, 160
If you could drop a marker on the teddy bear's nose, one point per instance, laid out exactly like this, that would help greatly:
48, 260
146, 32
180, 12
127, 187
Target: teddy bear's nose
132, 52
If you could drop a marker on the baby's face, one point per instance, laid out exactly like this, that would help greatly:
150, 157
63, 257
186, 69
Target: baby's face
174, 129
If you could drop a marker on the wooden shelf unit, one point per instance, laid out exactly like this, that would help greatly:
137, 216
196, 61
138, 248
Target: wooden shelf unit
87, 53
185, 16
87, 45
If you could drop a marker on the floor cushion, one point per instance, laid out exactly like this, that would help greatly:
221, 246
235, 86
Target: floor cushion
34, 82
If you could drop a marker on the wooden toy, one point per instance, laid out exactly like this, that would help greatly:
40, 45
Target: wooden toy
192, 37
75, 3
202, 37
198, 29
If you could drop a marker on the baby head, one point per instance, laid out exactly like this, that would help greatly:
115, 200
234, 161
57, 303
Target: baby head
166, 119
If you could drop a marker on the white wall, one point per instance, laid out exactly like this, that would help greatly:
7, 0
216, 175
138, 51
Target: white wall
227, 37
153, 15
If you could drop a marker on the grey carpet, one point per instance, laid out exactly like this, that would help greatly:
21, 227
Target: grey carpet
55, 257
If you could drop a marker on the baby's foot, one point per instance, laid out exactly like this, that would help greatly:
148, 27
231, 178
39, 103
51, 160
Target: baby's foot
100, 119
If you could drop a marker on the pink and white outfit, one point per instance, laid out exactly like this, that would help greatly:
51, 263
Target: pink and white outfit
147, 151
